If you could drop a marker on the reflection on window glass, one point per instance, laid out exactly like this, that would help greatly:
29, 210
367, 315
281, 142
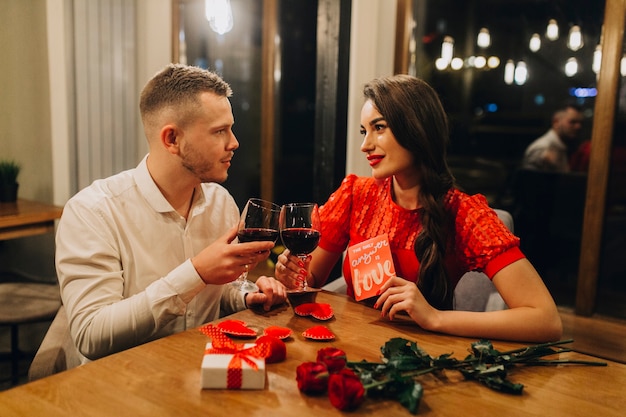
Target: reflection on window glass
236, 55
503, 69
612, 276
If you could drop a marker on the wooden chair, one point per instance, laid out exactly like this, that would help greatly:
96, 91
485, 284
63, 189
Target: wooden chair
24, 300
57, 351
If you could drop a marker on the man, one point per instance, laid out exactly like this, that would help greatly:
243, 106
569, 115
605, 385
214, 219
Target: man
551, 151
146, 253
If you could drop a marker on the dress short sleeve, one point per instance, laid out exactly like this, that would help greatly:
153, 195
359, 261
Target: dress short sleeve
482, 241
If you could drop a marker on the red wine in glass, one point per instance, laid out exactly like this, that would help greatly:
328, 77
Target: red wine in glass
255, 234
258, 222
300, 230
300, 240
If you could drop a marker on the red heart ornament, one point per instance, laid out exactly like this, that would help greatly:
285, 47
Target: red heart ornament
278, 332
277, 348
236, 328
318, 333
320, 311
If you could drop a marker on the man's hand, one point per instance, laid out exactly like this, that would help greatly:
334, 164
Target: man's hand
271, 292
222, 261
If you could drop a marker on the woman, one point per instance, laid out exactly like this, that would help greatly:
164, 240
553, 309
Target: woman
436, 232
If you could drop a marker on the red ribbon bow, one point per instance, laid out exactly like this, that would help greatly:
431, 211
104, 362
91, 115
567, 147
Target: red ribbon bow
220, 343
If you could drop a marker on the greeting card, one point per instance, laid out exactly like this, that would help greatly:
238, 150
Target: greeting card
371, 265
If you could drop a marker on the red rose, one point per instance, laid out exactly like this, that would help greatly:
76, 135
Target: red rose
312, 377
335, 359
345, 390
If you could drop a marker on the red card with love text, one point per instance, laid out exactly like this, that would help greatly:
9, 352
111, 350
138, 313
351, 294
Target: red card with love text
371, 265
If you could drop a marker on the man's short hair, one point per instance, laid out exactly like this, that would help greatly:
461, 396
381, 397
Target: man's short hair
180, 86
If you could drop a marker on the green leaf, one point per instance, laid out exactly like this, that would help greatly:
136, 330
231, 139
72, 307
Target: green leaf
445, 361
398, 346
404, 355
393, 347
411, 395
500, 384
406, 363
483, 350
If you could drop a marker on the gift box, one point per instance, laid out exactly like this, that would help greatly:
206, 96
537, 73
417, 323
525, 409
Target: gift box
233, 368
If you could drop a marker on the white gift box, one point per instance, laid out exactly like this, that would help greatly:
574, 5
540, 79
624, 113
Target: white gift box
215, 371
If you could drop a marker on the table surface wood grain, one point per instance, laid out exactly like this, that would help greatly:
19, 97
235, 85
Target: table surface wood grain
163, 377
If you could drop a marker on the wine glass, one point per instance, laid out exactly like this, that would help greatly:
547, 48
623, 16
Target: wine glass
300, 230
258, 222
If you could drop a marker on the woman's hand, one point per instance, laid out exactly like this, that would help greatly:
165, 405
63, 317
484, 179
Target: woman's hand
291, 270
401, 295
531, 314
271, 292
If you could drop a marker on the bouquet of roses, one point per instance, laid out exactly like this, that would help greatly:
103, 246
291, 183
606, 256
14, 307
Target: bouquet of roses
348, 383
329, 373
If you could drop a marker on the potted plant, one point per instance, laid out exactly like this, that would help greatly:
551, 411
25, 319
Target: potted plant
9, 171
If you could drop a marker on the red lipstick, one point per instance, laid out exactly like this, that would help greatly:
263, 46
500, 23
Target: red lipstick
374, 159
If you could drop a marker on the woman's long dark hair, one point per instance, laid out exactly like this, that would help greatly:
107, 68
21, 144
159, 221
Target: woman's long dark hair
417, 119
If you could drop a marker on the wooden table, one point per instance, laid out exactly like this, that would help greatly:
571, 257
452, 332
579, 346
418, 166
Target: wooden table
162, 378
27, 218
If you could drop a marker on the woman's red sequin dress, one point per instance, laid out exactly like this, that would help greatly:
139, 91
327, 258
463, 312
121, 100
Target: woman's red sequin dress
362, 208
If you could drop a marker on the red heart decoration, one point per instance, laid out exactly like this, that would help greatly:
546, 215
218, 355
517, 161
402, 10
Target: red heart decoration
277, 348
278, 332
320, 311
236, 328
318, 333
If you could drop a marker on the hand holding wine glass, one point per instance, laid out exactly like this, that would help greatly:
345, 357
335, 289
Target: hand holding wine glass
300, 230
258, 222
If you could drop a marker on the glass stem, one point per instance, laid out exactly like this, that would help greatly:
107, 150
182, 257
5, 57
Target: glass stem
305, 285
241, 280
